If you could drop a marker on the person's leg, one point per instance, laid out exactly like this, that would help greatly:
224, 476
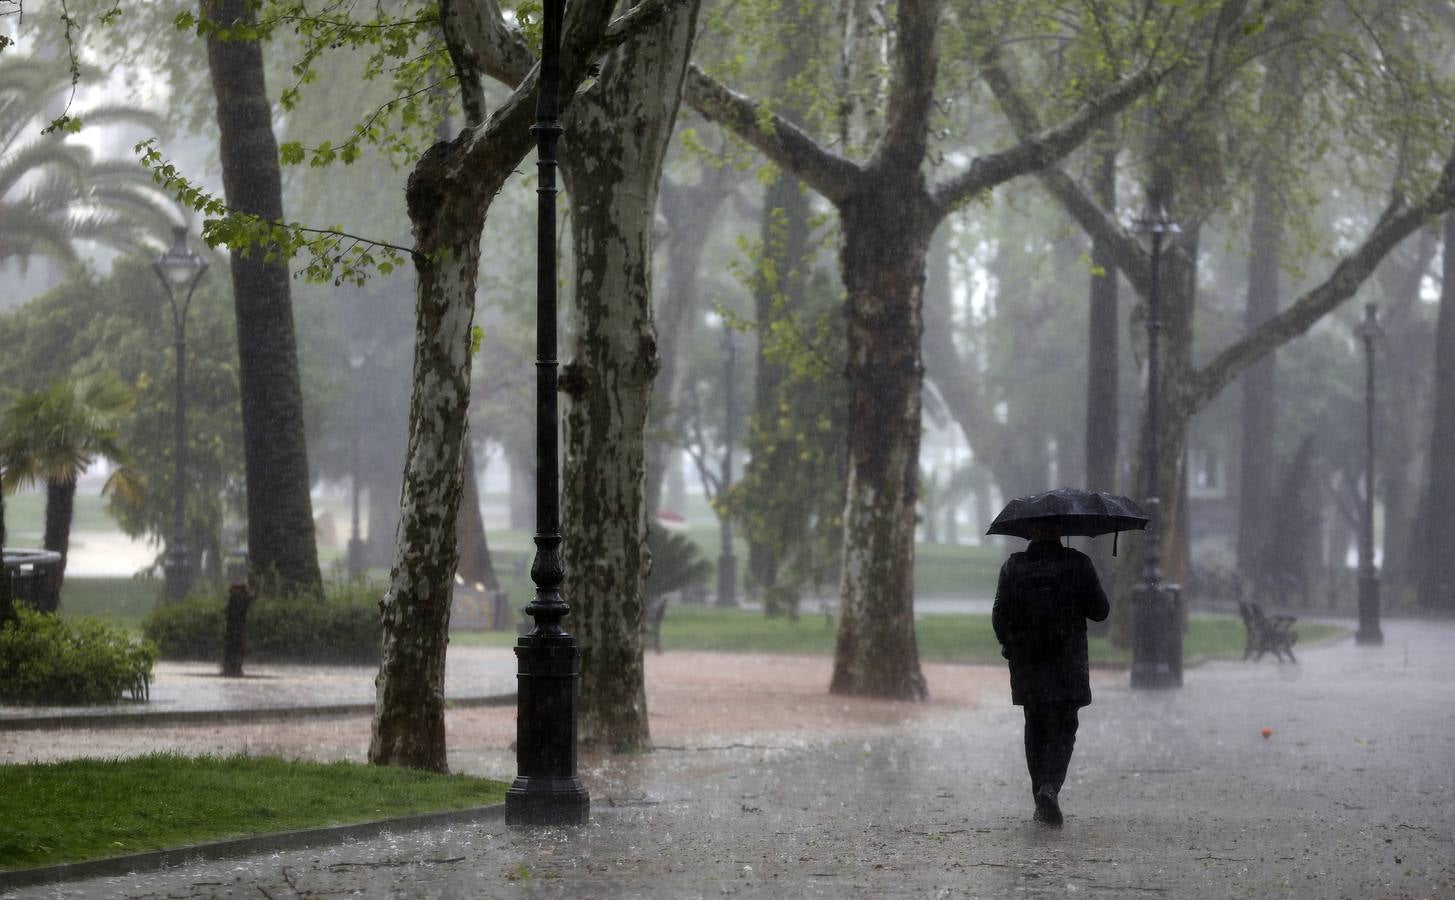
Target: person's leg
1061, 741
1042, 743
1035, 738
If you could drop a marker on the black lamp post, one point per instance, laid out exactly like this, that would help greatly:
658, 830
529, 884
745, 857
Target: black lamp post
1156, 623
547, 790
358, 357
727, 561
1369, 632
179, 268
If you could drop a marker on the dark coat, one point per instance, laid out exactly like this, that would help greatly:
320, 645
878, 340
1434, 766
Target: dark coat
1044, 597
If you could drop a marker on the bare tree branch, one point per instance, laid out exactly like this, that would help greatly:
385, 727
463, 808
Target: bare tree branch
1393, 226
831, 175
1038, 148
505, 133
1133, 261
495, 48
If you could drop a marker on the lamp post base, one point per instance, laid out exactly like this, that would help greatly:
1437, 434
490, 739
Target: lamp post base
547, 790
547, 801
1369, 633
1156, 636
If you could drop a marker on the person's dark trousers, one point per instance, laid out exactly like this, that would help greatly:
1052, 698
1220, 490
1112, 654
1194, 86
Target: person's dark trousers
1050, 738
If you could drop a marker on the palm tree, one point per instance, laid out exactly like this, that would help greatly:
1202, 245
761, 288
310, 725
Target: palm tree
53, 436
53, 192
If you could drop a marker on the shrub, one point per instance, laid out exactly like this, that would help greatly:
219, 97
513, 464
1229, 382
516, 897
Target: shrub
676, 563
45, 659
342, 628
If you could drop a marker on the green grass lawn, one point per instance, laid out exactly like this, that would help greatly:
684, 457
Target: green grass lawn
942, 638
123, 601
25, 516
84, 809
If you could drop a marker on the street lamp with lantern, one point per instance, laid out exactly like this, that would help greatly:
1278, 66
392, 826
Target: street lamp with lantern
1369, 633
359, 353
547, 789
727, 561
180, 270
1156, 623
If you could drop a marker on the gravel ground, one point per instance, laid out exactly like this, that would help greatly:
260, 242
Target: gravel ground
765, 786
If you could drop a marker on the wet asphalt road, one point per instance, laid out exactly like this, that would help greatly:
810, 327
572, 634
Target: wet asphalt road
1173, 794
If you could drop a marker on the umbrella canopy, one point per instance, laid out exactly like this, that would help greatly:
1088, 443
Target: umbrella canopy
1071, 511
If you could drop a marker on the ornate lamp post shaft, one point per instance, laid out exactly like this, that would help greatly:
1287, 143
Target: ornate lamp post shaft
547, 790
1369, 632
179, 268
1156, 623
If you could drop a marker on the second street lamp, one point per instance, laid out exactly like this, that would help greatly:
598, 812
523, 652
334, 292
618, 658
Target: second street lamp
1369, 632
1156, 620
179, 269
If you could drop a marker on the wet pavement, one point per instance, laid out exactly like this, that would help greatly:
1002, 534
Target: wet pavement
194, 687
1171, 794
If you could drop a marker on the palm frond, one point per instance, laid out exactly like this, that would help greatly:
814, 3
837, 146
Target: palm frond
25, 232
43, 156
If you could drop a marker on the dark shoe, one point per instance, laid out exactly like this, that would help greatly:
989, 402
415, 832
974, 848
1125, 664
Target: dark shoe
1048, 810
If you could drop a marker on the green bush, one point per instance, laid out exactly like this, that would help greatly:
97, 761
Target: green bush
341, 628
45, 659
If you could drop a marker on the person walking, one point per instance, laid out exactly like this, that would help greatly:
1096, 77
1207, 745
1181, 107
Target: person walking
1042, 601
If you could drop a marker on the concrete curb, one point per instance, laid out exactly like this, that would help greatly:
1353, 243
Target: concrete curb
220, 717
248, 846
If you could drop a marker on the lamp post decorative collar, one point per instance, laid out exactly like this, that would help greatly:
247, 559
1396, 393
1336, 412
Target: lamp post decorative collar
178, 268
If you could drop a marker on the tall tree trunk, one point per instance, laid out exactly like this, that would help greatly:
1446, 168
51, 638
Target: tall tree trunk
1406, 391
281, 542
7, 603
613, 195
448, 194
886, 239
1437, 579
60, 511
522, 492
409, 722
784, 236
1258, 464
1103, 359
690, 213
475, 566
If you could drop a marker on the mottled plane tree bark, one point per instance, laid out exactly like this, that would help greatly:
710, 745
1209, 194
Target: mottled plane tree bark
448, 195
611, 174
887, 212
282, 549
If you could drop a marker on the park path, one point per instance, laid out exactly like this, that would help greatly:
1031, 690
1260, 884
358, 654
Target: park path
1172, 794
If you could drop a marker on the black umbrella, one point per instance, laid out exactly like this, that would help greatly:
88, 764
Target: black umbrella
1069, 511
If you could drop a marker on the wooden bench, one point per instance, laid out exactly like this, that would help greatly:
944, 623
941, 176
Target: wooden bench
1267, 634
